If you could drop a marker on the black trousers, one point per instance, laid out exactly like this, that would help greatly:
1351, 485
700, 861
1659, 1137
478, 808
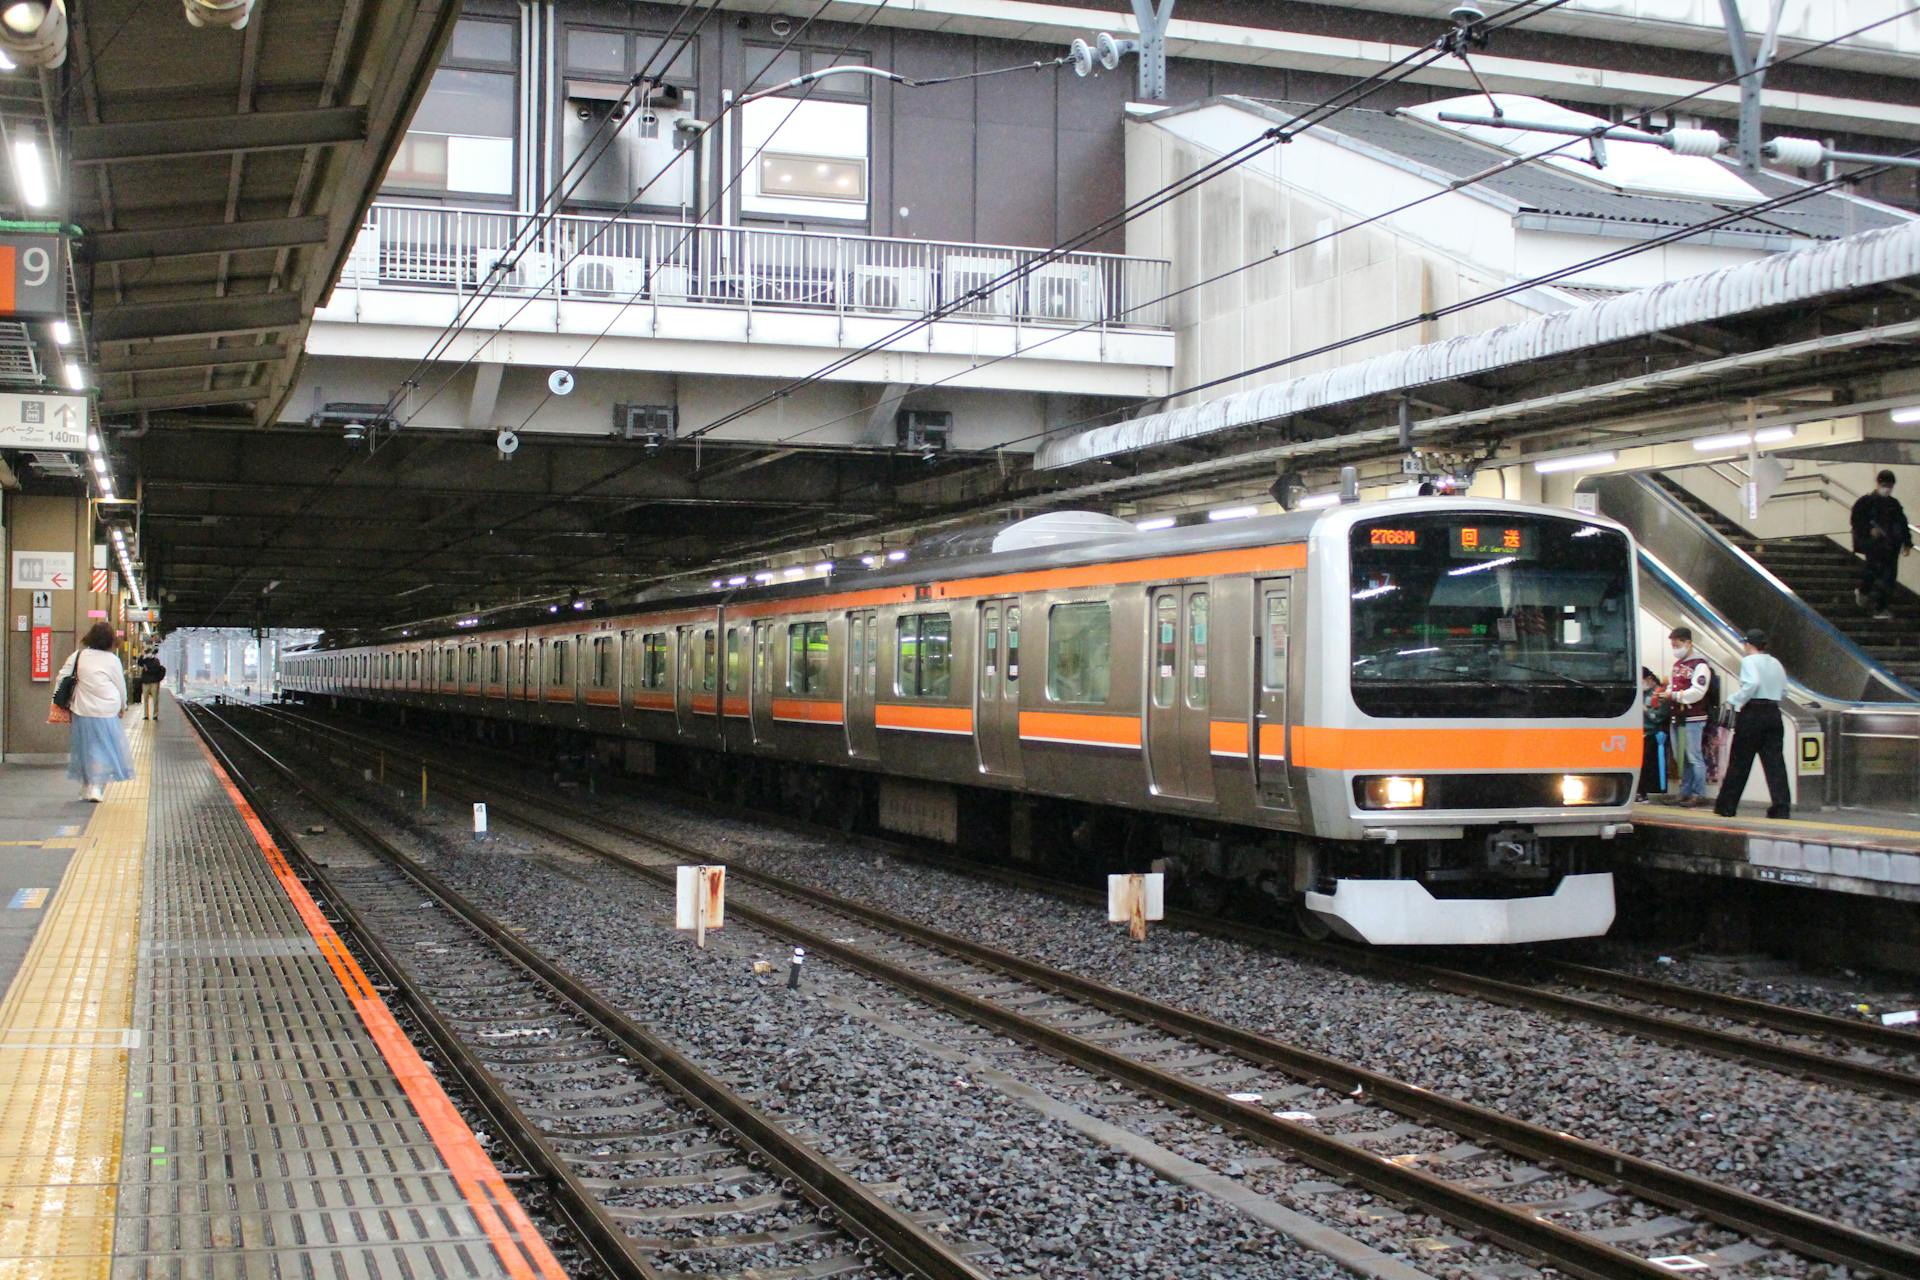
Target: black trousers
1757, 731
1878, 575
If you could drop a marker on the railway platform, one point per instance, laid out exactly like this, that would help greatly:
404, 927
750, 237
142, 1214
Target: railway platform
1861, 852
196, 1077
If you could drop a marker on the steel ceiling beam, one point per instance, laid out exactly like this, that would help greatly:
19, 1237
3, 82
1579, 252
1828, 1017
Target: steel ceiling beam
216, 135
169, 361
213, 237
196, 317
185, 400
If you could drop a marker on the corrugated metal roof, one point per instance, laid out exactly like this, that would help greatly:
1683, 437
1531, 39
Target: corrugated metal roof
1873, 257
1547, 189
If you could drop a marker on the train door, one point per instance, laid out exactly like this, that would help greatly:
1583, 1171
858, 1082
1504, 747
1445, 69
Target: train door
685, 645
1272, 651
996, 688
761, 684
1179, 711
863, 679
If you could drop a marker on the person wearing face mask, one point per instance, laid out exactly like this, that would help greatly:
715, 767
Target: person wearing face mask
1881, 535
1693, 697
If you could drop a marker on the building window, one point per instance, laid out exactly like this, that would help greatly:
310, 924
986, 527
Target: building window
1079, 652
815, 177
807, 657
923, 657
461, 139
770, 65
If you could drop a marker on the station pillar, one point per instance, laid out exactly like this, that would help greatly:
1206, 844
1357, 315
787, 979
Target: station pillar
49, 543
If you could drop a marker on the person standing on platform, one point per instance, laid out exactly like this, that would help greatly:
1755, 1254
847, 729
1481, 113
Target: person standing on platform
1692, 699
1757, 731
97, 747
152, 675
1881, 535
1653, 748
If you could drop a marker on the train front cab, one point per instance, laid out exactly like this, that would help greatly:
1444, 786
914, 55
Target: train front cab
1478, 731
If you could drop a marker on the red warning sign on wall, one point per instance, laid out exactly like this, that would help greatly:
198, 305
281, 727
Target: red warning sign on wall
43, 653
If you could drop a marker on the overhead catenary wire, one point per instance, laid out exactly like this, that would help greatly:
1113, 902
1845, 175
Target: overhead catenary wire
1435, 51
1457, 185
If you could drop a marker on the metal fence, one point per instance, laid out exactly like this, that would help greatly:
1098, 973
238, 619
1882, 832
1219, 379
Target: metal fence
582, 258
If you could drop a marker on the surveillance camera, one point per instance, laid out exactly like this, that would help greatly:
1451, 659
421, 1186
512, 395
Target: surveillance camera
1466, 15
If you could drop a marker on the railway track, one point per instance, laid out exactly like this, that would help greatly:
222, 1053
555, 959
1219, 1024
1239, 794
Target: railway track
646, 1151
1809, 1043
1182, 1059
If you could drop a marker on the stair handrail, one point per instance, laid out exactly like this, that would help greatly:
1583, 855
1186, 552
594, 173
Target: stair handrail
1819, 478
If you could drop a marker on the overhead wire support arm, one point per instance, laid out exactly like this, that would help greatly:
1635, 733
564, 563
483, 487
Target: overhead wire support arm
1753, 73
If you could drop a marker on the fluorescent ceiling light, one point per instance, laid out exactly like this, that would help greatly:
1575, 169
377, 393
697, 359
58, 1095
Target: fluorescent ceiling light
1158, 522
825, 566
99, 464
764, 576
717, 584
93, 441
896, 556
76, 376
1232, 513
62, 333
1740, 439
1578, 462
1316, 501
793, 571
29, 173
1906, 413
737, 580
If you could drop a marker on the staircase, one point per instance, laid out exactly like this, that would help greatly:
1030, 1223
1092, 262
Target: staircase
1823, 574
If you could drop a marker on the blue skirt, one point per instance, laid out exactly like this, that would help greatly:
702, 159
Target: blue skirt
98, 751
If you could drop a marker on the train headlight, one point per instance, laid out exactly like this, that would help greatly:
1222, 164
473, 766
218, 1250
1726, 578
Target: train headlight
1396, 793
1585, 788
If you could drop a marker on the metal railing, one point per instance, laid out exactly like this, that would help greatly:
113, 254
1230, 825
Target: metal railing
591, 259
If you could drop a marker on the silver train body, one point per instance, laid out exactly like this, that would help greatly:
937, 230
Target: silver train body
1412, 720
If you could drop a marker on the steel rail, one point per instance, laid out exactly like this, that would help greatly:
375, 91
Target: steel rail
897, 1238
1727, 1206
1731, 1045
592, 1226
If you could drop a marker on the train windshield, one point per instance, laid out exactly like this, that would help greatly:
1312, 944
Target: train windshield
1479, 615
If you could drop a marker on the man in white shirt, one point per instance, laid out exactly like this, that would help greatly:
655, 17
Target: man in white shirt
1757, 731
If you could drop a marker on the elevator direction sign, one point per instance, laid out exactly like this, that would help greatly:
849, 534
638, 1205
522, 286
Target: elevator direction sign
52, 422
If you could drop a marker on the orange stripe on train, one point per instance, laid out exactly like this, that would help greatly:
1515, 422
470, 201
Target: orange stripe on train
1404, 750
1227, 737
807, 711
1080, 728
893, 715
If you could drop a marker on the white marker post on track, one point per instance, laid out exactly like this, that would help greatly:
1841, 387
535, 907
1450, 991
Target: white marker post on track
1135, 899
700, 900
479, 821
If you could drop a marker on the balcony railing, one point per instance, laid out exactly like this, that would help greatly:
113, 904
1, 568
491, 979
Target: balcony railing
590, 259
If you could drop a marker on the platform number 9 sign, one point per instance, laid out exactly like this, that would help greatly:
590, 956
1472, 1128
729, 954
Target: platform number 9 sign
33, 282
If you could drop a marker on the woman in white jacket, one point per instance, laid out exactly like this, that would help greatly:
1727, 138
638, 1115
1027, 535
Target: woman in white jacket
98, 747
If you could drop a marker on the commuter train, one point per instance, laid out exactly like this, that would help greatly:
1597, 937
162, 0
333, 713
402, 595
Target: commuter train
1410, 722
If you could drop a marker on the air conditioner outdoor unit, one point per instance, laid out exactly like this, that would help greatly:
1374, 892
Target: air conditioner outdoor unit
611, 277
928, 430
890, 288
672, 280
534, 271
1064, 291
961, 276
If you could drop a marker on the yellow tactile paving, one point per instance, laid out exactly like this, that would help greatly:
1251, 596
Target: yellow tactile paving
64, 1036
1763, 826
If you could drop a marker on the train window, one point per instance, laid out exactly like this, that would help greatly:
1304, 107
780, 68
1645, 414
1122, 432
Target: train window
654, 665
1013, 643
1079, 652
923, 662
1275, 653
496, 664
1166, 647
473, 664
807, 657
603, 662
856, 653
446, 666
557, 671
733, 659
1197, 649
709, 666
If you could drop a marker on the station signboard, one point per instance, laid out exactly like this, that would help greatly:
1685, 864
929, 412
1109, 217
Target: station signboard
33, 276
36, 421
